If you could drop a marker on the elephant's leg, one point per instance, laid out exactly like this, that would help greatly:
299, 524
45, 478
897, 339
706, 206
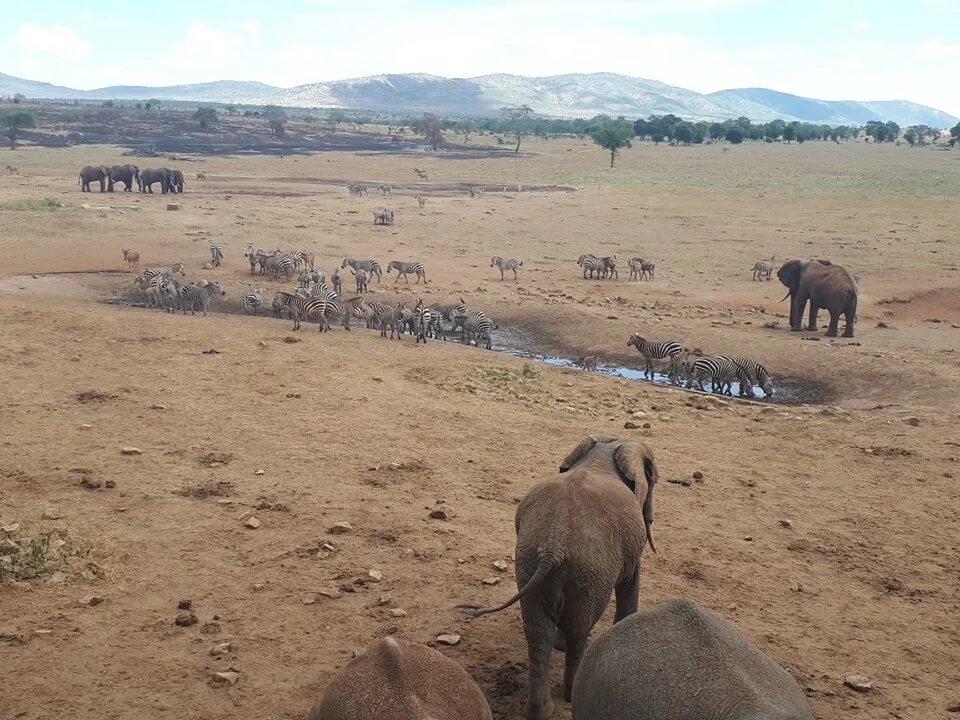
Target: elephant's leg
796, 314
834, 322
628, 593
540, 633
580, 613
848, 319
812, 322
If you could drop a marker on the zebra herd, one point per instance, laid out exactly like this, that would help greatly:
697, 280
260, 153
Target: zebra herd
605, 267
161, 289
278, 262
721, 370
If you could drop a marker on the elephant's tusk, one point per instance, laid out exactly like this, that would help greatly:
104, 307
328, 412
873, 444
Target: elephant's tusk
784, 297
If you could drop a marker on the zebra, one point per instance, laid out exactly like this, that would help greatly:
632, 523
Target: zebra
302, 307
164, 272
401, 319
421, 201
636, 268
383, 218
475, 191
750, 373
252, 257
476, 326
336, 279
252, 300
286, 264
763, 269
216, 255
361, 277
505, 264
277, 306
371, 266
648, 267
304, 279
169, 295
403, 268
433, 316
196, 294
357, 190
609, 266
720, 370
665, 350
423, 319
321, 290
308, 259
380, 315
386, 191
590, 263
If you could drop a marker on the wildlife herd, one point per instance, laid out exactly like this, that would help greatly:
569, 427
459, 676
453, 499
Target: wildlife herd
170, 181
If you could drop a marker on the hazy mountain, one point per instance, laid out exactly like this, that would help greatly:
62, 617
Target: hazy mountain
577, 95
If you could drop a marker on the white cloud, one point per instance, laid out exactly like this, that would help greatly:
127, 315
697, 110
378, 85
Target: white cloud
253, 27
939, 49
55, 40
863, 25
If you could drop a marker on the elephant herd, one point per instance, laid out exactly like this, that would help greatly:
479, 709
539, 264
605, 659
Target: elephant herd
580, 535
107, 176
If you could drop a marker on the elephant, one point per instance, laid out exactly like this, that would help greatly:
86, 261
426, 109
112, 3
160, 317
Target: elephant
677, 660
150, 176
127, 174
94, 173
825, 285
175, 184
398, 680
579, 539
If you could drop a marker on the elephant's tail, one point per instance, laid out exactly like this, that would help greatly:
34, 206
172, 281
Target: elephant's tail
547, 563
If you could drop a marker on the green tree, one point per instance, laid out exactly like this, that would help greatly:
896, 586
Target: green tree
612, 136
893, 130
431, 128
276, 118
19, 98
466, 128
910, 136
734, 135
517, 123
955, 134
788, 133
107, 104
152, 104
15, 122
684, 132
716, 131
335, 117
206, 117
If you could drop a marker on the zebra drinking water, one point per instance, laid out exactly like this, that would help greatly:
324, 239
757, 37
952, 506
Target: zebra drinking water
252, 301
197, 295
403, 268
763, 269
750, 373
371, 266
164, 272
665, 350
505, 264
720, 370
476, 326
590, 263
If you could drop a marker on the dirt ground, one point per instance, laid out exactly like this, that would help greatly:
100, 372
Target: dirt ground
828, 531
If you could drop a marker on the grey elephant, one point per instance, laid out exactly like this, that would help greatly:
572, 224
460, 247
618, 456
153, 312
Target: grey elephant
175, 184
679, 661
151, 176
397, 680
94, 173
127, 174
825, 285
579, 539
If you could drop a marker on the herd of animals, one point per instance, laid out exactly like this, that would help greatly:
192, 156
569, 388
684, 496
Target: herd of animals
107, 176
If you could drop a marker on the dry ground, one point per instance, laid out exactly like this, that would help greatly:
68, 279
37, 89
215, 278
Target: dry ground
349, 427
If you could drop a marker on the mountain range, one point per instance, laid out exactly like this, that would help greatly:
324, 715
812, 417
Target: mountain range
575, 95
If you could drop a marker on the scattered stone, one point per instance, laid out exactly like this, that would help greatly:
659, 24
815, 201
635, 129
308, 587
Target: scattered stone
210, 628
252, 523
130, 450
327, 547
501, 565
10, 529
438, 514
384, 600
110, 484
912, 421
955, 708
158, 406
8, 547
491, 581
331, 593
375, 575
630, 425
57, 578
224, 501
309, 599
393, 467
697, 475
258, 472
91, 600
185, 605
883, 326
646, 426
339, 528
220, 649
257, 587
859, 683
398, 612
786, 523
450, 639
186, 619
229, 677
638, 414
748, 538
52, 514
91, 483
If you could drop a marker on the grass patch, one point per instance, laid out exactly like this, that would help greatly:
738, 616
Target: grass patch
27, 558
46, 204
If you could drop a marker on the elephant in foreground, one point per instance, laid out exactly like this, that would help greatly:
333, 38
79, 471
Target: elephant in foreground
127, 174
94, 173
397, 680
151, 176
824, 285
176, 180
579, 538
678, 661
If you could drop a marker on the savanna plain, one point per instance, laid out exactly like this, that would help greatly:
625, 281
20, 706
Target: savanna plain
825, 525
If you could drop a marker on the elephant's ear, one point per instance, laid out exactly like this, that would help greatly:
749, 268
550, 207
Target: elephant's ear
585, 446
635, 461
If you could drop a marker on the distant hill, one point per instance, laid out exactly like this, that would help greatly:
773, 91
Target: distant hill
575, 95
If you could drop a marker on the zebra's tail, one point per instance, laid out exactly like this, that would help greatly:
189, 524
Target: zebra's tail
547, 562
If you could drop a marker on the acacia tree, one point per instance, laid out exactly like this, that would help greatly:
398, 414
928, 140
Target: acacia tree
955, 134
206, 117
431, 128
15, 122
466, 128
517, 122
613, 135
277, 118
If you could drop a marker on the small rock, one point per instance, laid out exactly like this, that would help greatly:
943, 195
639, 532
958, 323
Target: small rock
697, 475
130, 450
394, 466
220, 649
912, 421
309, 599
331, 593
955, 708
224, 501
226, 678
646, 426
10, 529
384, 600
186, 619
258, 472
257, 587
501, 565
185, 605
786, 523
748, 538
158, 406
110, 484
398, 612
491, 581
448, 639
8, 547
630, 425
86, 426
57, 578
91, 600
328, 547
252, 523
210, 628
340, 528
859, 683
52, 514
375, 575
638, 414
438, 514
262, 343
91, 483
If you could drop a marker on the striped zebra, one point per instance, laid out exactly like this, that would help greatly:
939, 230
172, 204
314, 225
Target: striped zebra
163, 272
252, 301
371, 266
302, 307
380, 315
286, 264
636, 268
433, 318
403, 268
648, 267
277, 306
402, 319
361, 278
423, 319
750, 373
337, 279
664, 350
197, 295
304, 279
590, 263
720, 370
763, 269
609, 267
252, 257
216, 255
170, 295
321, 290
505, 264
476, 326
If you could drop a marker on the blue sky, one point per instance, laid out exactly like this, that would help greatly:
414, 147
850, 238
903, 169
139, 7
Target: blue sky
832, 49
